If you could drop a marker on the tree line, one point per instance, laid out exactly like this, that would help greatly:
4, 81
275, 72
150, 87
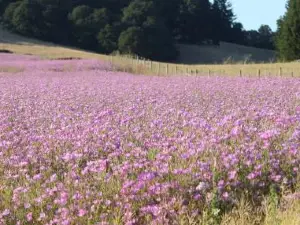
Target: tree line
148, 28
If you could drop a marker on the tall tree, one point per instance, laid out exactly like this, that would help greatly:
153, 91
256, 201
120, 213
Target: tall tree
146, 34
238, 34
193, 21
223, 19
28, 20
86, 24
108, 37
55, 20
252, 38
9, 14
266, 37
168, 10
4, 4
80, 19
288, 35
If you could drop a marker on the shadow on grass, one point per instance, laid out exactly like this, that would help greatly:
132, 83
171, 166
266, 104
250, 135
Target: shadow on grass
6, 51
67, 58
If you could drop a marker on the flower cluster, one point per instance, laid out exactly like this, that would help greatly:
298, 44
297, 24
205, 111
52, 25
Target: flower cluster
95, 146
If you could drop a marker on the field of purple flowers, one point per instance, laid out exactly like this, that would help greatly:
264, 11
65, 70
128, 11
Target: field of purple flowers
81, 144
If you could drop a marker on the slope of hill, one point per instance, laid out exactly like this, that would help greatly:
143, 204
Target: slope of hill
24, 45
197, 54
189, 54
7, 37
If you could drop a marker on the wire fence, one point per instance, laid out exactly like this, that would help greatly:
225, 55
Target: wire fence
144, 66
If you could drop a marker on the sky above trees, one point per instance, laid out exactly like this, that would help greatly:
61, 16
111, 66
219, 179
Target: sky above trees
253, 13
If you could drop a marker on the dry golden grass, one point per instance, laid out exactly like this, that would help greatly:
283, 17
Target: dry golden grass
10, 69
268, 214
291, 216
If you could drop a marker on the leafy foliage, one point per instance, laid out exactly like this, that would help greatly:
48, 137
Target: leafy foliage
9, 13
153, 26
27, 19
263, 38
131, 41
108, 38
288, 34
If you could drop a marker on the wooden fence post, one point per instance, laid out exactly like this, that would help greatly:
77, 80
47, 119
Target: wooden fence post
258, 73
241, 73
158, 68
167, 69
280, 71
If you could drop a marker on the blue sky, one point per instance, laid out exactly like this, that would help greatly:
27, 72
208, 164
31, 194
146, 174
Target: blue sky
253, 13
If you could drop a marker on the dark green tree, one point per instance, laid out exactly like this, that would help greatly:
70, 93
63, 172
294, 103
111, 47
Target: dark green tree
86, 23
131, 41
80, 19
139, 12
281, 48
238, 35
28, 20
168, 10
153, 39
252, 38
9, 14
4, 4
288, 34
222, 20
261, 38
193, 21
55, 20
266, 37
108, 38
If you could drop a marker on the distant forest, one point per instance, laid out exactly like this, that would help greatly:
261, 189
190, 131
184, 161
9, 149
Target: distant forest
148, 28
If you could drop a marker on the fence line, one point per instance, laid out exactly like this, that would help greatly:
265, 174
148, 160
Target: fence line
141, 65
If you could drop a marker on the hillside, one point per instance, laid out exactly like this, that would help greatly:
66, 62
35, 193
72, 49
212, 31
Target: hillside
189, 54
24, 45
197, 54
7, 37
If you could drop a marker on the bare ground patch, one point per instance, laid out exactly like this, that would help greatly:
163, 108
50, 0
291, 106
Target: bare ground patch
11, 69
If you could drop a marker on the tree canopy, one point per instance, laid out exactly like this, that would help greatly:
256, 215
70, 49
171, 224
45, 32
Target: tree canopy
148, 28
288, 33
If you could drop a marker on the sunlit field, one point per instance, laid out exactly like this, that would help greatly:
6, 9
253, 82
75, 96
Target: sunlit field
83, 144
